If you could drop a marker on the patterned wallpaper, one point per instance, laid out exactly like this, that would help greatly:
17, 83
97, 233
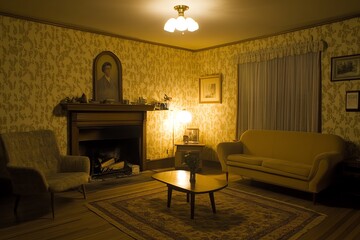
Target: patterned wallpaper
342, 39
41, 64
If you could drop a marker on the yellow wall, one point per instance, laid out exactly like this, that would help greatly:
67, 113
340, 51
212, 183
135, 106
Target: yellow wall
41, 64
342, 39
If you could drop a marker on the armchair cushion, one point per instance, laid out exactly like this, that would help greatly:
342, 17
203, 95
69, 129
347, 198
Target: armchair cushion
60, 182
35, 149
74, 164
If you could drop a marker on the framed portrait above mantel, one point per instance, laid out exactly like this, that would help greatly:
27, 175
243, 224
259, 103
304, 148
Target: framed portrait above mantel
345, 68
107, 78
210, 90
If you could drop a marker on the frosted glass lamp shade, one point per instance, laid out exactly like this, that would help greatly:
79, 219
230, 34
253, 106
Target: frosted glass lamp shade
181, 23
184, 116
170, 25
192, 25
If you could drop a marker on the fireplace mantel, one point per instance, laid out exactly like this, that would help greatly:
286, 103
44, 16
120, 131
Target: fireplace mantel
99, 107
86, 116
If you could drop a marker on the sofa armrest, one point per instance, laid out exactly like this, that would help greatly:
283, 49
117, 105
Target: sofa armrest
224, 149
322, 173
71, 163
27, 180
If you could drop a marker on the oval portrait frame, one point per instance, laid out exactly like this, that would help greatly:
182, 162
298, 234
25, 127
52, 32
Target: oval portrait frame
116, 77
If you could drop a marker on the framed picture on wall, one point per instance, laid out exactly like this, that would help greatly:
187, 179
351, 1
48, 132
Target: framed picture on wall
193, 135
352, 103
210, 89
345, 68
107, 78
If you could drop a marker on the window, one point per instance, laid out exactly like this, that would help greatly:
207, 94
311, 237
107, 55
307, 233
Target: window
279, 91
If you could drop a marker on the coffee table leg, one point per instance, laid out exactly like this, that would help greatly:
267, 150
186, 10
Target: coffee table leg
169, 196
212, 199
192, 203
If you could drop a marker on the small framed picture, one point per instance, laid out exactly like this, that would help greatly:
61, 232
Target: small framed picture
193, 135
345, 68
352, 103
107, 78
210, 89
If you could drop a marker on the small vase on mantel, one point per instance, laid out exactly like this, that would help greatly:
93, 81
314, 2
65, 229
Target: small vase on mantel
192, 161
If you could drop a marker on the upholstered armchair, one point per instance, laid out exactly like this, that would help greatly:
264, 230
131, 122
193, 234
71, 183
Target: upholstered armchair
35, 165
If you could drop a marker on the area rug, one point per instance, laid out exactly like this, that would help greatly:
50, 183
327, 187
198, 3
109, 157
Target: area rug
143, 214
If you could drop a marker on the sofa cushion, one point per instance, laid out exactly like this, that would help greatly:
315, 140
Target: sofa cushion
287, 166
244, 158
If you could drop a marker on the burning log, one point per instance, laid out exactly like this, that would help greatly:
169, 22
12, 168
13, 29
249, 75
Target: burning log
110, 165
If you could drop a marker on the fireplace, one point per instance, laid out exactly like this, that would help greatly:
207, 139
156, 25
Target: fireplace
113, 136
111, 150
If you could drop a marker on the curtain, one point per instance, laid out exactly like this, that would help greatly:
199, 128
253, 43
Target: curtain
279, 89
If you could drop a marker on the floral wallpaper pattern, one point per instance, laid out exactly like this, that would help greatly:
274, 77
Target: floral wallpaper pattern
342, 38
41, 64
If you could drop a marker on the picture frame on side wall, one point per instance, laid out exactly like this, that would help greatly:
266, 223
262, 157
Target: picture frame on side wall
107, 78
345, 68
352, 101
193, 135
210, 90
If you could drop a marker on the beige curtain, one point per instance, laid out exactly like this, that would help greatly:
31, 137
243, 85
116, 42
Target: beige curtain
279, 89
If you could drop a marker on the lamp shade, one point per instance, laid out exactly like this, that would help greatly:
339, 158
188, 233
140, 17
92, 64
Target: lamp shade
170, 25
192, 25
181, 23
184, 116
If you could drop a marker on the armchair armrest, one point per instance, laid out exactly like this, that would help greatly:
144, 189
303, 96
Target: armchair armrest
322, 172
71, 163
27, 180
224, 149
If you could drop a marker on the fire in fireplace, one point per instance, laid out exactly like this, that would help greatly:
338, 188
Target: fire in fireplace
111, 150
111, 156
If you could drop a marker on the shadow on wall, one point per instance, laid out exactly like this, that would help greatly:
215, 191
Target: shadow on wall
58, 111
209, 154
352, 150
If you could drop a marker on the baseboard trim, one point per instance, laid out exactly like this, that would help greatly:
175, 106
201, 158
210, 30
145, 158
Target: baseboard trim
160, 163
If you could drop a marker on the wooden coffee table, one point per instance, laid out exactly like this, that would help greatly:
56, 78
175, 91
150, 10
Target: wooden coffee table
179, 180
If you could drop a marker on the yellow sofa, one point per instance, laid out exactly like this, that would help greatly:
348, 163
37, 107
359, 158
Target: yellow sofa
299, 160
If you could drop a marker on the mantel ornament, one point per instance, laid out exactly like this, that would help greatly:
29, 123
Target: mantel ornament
82, 99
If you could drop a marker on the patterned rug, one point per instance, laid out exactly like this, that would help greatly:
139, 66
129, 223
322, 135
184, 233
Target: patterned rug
143, 214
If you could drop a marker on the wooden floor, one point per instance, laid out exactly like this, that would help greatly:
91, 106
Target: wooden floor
74, 221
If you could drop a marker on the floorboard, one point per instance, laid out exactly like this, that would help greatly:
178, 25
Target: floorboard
74, 221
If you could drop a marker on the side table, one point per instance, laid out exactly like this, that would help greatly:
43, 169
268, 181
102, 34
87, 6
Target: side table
182, 149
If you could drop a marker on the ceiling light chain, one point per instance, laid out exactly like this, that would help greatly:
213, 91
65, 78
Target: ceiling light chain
181, 23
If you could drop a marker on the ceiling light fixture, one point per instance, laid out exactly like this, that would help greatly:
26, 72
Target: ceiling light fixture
181, 23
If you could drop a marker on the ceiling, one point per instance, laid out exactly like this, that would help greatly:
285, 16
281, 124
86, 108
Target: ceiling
221, 21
